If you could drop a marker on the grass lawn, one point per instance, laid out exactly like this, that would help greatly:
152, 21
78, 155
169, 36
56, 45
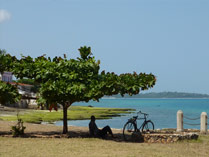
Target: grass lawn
91, 147
74, 113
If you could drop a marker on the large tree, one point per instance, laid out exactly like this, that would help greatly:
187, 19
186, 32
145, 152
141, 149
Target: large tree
65, 81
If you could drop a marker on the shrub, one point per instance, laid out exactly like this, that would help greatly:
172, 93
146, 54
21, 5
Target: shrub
18, 129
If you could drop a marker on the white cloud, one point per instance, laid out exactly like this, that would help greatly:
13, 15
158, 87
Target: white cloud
4, 15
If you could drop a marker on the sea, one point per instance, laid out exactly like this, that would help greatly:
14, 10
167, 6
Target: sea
161, 111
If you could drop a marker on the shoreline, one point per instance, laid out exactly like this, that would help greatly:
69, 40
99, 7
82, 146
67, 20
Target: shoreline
75, 113
149, 98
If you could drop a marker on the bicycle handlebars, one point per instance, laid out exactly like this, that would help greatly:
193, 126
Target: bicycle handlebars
140, 112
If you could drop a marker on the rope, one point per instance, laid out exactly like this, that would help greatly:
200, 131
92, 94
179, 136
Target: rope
191, 118
190, 123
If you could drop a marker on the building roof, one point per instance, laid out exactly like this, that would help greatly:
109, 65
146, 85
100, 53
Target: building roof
20, 84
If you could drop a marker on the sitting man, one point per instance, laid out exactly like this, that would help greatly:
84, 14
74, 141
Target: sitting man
95, 132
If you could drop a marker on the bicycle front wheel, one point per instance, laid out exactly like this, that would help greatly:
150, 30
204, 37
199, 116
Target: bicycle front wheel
128, 130
148, 126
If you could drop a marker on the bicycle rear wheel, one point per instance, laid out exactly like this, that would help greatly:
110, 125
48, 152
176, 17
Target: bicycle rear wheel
128, 130
148, 126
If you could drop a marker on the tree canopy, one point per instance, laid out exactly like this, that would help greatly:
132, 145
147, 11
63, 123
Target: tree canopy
65, 81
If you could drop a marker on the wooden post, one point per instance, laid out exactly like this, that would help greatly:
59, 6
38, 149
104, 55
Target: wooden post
179, 121
203, 121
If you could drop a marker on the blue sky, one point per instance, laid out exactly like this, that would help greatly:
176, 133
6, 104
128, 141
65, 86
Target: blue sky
169, 38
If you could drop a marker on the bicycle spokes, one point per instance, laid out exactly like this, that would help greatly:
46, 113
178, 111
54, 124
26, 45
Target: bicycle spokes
128, 130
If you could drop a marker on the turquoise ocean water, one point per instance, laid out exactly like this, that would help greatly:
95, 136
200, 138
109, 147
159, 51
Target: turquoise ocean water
161, 111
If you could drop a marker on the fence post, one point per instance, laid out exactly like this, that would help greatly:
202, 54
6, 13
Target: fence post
179, 121
203, 121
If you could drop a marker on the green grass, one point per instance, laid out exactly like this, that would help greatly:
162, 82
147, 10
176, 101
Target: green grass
92, 147
74, 113
201, 139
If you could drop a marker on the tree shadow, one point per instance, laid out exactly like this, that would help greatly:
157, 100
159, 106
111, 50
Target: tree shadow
118, 137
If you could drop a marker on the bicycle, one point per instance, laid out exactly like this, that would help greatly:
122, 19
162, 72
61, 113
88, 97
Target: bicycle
131, 126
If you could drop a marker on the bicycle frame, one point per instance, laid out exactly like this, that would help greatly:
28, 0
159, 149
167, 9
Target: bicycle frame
135, 118
131, 126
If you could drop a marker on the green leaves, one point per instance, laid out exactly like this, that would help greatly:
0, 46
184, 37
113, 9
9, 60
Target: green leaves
6, 61
85, 53
8, 93
62, 80
125, 83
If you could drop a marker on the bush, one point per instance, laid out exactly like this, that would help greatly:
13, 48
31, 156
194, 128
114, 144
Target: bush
18, 129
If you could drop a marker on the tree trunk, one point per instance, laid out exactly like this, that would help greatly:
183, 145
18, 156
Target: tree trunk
65, 126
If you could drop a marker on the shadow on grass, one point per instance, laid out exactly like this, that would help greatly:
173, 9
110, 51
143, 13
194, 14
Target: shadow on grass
118, 137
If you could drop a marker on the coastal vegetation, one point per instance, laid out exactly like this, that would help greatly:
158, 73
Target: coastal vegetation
66, 81
75, 113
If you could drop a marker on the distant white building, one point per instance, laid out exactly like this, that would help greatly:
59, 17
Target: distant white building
23, 89
6, 76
